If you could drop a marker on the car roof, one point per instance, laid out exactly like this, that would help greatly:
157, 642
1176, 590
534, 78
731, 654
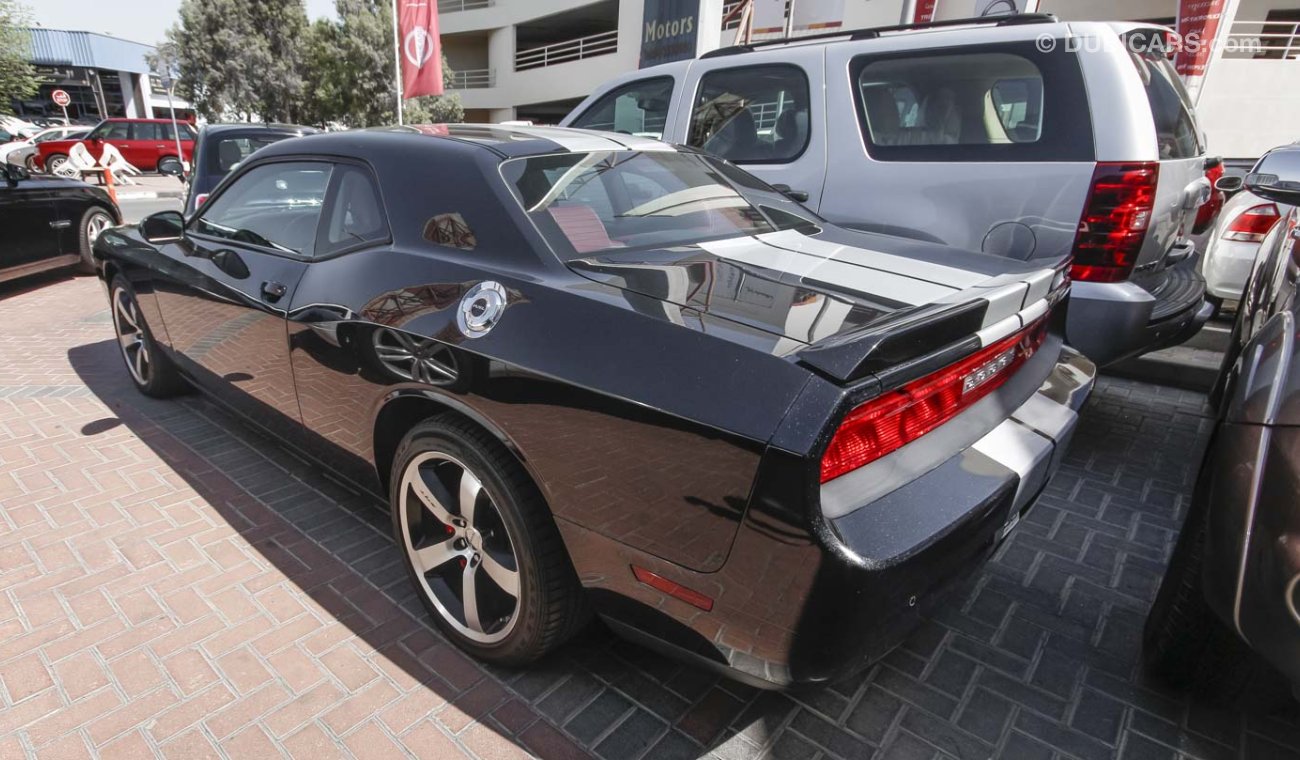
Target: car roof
213, 129
502, 140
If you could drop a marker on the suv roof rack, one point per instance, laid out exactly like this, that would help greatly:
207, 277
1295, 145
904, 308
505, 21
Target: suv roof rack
850, 35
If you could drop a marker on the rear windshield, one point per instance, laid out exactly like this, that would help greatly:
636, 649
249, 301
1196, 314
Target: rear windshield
983, 103
1175, 122
586, 203
229, 152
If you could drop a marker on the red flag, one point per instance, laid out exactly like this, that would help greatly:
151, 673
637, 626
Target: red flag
421, 48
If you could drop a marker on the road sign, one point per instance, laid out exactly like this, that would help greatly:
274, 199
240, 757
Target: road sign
61, 98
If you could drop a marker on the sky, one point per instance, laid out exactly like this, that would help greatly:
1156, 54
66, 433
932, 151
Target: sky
136, 20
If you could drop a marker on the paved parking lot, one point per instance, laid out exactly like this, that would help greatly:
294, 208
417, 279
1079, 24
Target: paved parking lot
172, 584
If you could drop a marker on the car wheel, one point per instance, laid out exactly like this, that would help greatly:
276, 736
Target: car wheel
30, 163
93, 224
54, 162
480, 544
1187, 646
150, 370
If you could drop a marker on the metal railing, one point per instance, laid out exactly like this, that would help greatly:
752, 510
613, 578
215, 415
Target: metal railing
473, 79
1279, 40
731, 14
455, 6
603, 43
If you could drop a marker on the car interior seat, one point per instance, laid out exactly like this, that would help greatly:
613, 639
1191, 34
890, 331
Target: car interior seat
228, 155
791, 132
737, 139
882, 115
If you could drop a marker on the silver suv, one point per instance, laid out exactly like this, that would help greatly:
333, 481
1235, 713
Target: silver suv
1021, 137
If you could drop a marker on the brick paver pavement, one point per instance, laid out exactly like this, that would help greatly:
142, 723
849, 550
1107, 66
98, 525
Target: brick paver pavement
173, 584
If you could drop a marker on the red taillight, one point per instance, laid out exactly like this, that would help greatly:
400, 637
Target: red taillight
1253, 224
897, 418
1209, 210
1115, 221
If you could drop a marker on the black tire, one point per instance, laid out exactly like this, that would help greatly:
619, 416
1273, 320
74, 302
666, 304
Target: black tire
1187, 646
93, 223
156, 375
30, 163
549, 607
54, 161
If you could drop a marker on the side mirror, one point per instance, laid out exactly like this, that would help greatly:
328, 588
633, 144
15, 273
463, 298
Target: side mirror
163, 227
1274, 188
15, 174
1229, 184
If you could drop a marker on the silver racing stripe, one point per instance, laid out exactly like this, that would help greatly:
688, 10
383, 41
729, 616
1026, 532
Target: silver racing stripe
939, 274
852, 278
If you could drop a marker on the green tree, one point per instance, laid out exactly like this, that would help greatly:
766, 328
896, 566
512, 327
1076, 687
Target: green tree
17, 77
275, 57
350, 67
217, 51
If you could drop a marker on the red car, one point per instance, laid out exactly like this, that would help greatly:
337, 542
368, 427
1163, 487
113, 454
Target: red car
148, 144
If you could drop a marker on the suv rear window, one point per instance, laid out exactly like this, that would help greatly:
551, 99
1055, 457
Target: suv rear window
1176, 132
988, 103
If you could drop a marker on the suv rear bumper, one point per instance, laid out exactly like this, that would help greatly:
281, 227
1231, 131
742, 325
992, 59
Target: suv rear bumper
1112, 321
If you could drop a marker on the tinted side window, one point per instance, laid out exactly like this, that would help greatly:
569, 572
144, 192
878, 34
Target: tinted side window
356, 214
752, 114
117, 130
637, 108
144, 131
1176, 132
274, 206
986, 103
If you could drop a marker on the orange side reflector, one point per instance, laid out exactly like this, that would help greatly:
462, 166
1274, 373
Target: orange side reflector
675, 590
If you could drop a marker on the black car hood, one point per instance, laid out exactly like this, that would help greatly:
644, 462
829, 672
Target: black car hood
815, 289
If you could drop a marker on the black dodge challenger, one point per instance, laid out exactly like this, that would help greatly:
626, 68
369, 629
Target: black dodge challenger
595, 373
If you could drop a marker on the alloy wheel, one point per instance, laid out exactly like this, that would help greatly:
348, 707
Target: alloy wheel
130, 336
54, 163
424, 361
459, 547
96, 225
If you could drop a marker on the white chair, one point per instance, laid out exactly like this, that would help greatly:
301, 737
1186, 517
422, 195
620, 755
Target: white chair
79, 159
113, 160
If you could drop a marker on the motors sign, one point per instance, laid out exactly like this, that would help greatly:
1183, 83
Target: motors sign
670, 31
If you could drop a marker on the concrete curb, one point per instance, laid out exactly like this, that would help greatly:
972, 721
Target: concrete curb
142, 195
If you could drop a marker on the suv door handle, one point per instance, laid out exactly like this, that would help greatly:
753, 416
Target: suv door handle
273, 291
794, 195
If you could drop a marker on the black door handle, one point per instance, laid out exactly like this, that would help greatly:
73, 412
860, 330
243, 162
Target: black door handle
273, 291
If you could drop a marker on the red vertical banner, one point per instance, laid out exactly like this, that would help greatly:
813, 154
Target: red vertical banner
924, 13
421, 48
1199, 23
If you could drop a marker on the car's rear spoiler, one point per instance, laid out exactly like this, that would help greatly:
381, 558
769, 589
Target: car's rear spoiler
902, 338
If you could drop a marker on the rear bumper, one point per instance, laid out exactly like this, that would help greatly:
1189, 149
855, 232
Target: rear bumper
800, 604
1227, 267
903, 551
1109, 322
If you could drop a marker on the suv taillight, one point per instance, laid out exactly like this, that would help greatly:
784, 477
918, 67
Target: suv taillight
1253, 224
1115, 221
890, 421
